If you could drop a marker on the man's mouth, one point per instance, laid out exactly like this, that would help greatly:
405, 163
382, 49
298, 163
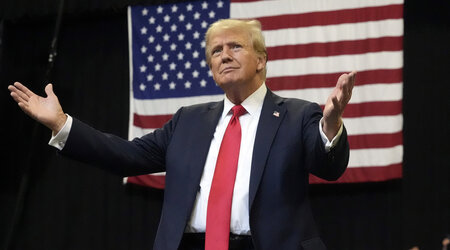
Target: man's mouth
228, 69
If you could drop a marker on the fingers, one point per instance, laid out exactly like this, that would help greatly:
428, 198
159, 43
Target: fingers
24, 89
18, 95
352, 78
18, 99
346, 83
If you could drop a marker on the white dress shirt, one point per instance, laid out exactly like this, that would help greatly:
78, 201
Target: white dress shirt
249, 122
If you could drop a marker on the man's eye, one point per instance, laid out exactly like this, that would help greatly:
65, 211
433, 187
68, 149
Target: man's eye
216, 51
237, 46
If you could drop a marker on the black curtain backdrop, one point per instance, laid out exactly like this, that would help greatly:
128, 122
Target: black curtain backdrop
69, 205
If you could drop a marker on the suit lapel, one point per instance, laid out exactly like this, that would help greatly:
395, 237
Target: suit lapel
272, 114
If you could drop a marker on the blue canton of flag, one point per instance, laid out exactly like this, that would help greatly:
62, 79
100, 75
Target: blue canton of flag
169, 49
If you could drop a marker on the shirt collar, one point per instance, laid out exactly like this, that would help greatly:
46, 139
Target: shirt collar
253, 103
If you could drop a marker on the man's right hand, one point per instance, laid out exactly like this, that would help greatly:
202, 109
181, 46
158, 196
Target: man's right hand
46, 110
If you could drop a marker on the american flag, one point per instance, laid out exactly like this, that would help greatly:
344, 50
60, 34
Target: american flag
310, 44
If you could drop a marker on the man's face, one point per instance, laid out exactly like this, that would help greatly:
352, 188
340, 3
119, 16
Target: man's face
233, 60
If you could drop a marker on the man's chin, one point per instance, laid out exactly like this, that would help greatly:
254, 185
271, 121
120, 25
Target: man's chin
226, 83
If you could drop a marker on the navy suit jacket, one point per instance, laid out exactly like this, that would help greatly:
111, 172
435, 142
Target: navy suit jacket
287, 148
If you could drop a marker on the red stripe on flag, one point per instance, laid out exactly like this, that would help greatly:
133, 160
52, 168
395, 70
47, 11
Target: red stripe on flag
372, 109
150, 121
336, 48
332, 17
365, 174
329, 80
375, 140
156, 181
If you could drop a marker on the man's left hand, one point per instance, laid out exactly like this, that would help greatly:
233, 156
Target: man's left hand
334, 108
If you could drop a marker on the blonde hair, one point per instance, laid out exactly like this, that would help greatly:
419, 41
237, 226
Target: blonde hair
253, 27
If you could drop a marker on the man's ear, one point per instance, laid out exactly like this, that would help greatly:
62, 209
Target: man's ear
261, 63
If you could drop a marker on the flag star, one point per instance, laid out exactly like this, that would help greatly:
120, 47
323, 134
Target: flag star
209, 73
166, 18
188, 45
181, 37
195, 74
212, 14
203, 63
172, 85
159, 29
143, 49
203, 83
157, 86
172, 66
165, 57
143, 68
204, 5
181, 18
180, 56
196, 35
180, 75
151, 39
145, 12
196, 15
142, 87
143, 31
204, 24
195, 54
187, 84
166, 37
160, 9
189, 7
151, 20
203, 44
219, 4
149, 77
174, 8
188, 26
165, 76
187, 65
173, 46
158, 47
150, 58
157, 67
173, 28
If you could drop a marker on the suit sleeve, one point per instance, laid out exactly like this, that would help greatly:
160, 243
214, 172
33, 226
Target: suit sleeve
328, 166
125, 158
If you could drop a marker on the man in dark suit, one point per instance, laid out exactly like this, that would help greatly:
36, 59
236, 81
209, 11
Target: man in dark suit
280, 142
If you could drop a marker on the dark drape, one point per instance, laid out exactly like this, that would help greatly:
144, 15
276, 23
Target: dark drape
69, 205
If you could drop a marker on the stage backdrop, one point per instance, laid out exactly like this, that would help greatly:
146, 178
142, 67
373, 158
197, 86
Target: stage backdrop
310, 44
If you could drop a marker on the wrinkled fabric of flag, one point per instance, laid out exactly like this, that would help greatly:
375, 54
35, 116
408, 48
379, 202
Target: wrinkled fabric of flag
310, 44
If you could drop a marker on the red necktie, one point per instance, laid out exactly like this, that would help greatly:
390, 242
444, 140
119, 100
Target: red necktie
218, 214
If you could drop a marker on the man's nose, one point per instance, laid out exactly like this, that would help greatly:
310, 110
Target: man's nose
226, 55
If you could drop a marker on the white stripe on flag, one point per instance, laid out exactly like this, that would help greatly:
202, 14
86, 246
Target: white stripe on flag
374, 124
333, 33
375, 157
333, 64
283, 7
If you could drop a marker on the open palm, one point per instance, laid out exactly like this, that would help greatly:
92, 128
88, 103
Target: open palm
46, 110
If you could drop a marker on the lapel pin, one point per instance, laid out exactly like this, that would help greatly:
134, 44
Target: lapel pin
276, 113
